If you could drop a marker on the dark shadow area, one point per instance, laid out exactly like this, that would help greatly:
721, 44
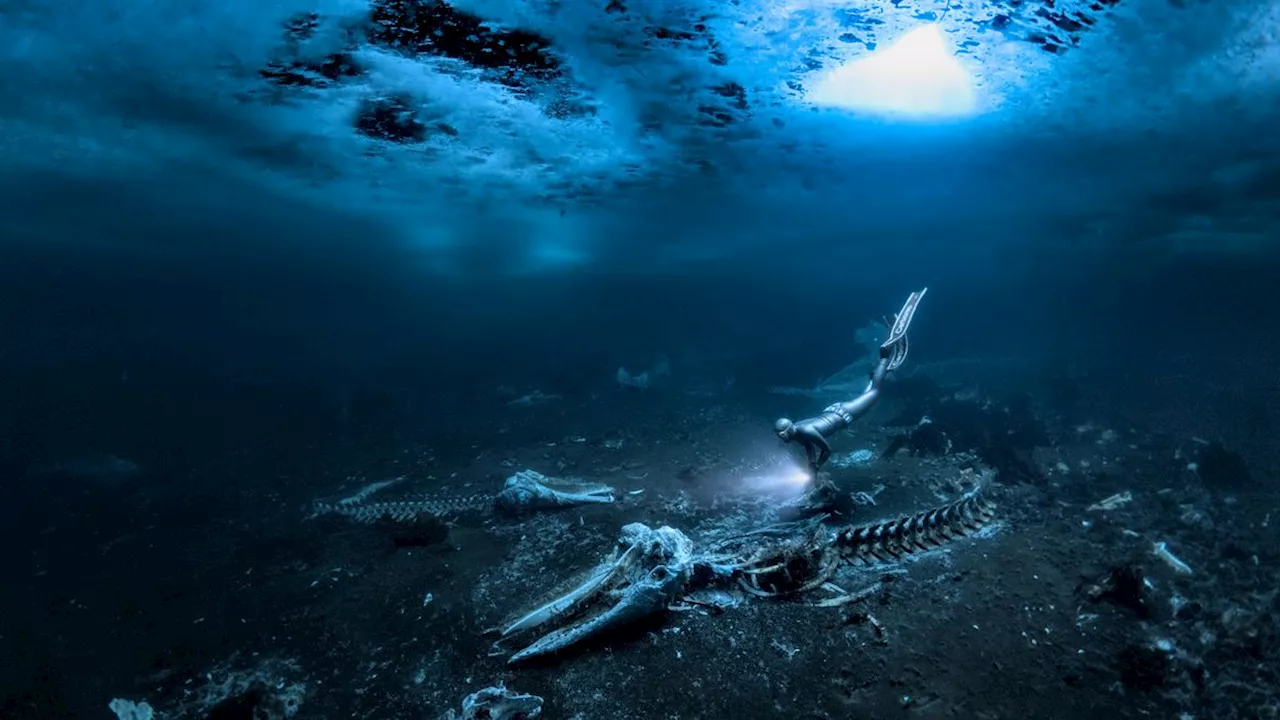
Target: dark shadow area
169, 417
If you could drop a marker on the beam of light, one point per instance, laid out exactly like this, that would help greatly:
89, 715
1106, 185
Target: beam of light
782, 475
916, 76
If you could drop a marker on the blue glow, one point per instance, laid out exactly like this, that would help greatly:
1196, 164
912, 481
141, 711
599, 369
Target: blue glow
554, 254
916, 76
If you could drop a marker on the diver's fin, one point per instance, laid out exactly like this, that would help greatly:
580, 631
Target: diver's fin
902, 321
898, 354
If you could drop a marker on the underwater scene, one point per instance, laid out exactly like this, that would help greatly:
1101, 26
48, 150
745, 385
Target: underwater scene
640, 359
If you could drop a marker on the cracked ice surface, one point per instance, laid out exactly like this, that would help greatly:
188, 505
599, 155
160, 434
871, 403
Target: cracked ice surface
650, 134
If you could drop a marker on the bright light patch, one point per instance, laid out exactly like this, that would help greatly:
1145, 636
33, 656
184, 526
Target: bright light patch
796, 477
918, 76
782, 475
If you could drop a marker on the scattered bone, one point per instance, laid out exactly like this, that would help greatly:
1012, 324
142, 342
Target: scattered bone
129, 710
597, 582
527, 490
856, 458
531, 490
653, 571
787, 650
370, 489
1113, 502
1161, 550
868, 618
866, 498
537, 397
853, 597
497, 703
894, 539
403, 510
710, 601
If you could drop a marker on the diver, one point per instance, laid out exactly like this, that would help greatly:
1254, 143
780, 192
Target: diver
812, 433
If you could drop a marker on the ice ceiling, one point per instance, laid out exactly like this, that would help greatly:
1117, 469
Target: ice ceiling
651, 133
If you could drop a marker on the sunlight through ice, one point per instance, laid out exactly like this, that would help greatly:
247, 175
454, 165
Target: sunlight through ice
916, 76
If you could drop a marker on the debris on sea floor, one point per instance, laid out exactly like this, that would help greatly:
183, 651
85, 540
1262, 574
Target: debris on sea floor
129, 710
1112, 502
1161, 550
497, 703
856, 458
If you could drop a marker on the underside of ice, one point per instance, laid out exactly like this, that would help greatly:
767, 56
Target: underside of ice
620, 133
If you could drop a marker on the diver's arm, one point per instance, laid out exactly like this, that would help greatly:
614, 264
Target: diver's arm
811, 454
824, 452
816, 448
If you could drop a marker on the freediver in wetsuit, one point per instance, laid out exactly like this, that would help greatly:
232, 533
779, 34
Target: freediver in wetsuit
812, 433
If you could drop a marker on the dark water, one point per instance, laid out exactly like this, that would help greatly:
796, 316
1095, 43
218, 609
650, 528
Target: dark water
238, 402
242, 281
